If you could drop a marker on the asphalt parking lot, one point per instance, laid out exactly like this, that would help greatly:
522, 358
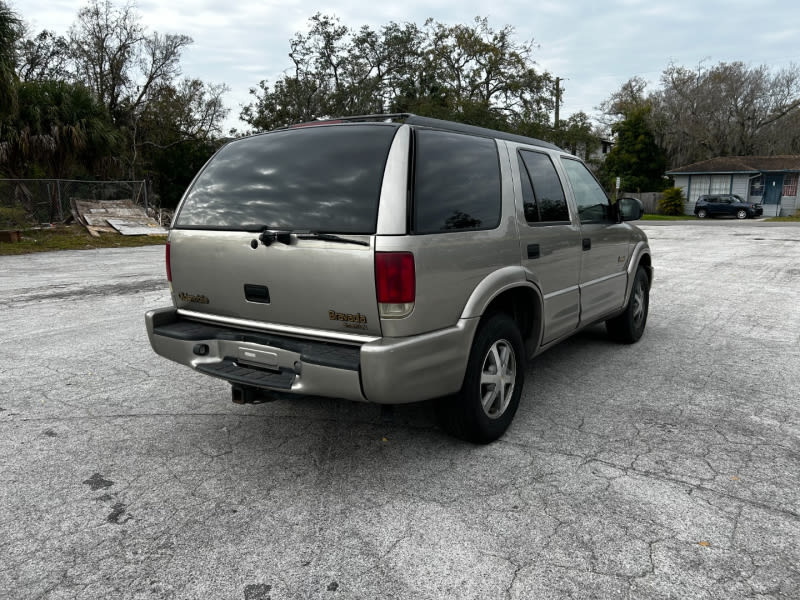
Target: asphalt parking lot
666, 469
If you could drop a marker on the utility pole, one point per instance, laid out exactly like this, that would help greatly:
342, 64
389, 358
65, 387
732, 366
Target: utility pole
558, 100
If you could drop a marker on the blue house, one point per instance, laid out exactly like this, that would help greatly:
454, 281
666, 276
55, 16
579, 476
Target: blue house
769, 180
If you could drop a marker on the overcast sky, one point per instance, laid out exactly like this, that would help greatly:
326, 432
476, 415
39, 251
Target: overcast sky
593, 45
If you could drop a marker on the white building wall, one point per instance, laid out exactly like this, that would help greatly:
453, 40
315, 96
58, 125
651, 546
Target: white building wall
682, 182
741, 187
789, 206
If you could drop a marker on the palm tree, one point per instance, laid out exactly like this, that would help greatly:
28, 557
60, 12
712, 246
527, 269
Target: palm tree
10, 31
58, 126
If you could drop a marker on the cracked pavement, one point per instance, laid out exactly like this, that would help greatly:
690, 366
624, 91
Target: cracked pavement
666, 469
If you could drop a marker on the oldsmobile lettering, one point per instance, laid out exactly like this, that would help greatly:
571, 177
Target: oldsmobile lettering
348, 318
193, 298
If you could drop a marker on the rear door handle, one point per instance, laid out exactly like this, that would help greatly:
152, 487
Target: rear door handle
587, 243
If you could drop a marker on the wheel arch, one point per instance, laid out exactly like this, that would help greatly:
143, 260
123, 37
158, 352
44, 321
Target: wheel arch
508, 291
646, 261
639, 257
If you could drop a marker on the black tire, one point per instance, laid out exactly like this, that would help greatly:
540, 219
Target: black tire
463, 415
741, 214
629, 326
702, 213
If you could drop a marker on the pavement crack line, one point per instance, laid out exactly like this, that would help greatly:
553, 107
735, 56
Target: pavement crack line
702, 488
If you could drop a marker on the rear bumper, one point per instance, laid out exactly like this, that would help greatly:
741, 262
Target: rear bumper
386, 371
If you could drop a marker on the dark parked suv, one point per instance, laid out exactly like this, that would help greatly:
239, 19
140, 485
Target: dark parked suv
713, 205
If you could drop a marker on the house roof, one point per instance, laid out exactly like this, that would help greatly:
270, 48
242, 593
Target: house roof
741, 164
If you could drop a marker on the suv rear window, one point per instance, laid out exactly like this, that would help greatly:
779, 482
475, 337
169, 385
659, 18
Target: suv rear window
456, 182
325, 179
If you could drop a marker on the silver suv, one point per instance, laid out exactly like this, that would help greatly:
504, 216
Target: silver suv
394, 259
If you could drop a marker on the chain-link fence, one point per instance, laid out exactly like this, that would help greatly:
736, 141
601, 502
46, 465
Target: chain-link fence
48, 200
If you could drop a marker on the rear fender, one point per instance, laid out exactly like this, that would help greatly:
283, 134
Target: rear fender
639, 256
493, 286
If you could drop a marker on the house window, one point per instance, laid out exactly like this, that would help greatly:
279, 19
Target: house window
757, 186
699, 185
720, 184
790, 184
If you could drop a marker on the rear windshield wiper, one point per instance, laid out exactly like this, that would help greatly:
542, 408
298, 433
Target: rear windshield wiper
268, 236
329, 237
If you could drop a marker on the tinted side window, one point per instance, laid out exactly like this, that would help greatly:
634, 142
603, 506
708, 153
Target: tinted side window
547, 202
528, 199
456, 182
592, 202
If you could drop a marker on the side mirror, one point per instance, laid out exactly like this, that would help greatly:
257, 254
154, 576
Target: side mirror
630, 209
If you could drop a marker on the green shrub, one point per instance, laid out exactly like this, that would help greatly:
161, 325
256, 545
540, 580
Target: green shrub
13, 217
671, 202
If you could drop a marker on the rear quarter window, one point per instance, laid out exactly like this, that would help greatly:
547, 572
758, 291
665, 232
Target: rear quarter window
325, 179
456, 182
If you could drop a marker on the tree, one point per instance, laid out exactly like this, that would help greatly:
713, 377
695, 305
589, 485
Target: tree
626, 100
44, 57
338, 72
487, 75
179, 127
636, 157
727, 110
59, 127
118, 60
109, 101
469, 73
578, 135
10, 32
188, 110
129, 69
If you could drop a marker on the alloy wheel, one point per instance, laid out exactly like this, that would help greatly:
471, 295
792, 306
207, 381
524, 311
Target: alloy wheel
498, 377
638, 303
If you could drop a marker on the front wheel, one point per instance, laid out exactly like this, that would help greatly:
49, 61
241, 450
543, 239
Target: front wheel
489, 396
741, 214
629, 326
702, 213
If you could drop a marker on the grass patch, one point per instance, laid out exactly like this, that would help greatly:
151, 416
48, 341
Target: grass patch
74, 237
668, 218
793, 219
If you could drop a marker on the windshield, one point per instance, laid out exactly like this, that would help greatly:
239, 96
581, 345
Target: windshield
310, 179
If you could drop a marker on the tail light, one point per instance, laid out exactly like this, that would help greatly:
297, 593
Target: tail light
169, 266
395, 284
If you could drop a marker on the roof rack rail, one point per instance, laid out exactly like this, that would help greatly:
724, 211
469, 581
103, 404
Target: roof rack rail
350, 119
475, 130
412, 119
377, 117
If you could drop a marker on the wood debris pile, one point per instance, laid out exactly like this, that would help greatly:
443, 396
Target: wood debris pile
114, 216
